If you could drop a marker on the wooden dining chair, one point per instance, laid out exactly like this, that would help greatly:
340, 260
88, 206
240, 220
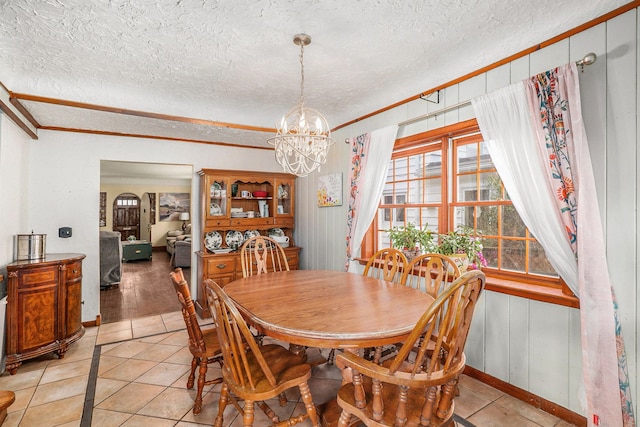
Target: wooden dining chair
415, 389
430, 273
203, 344
254, 373
261, 254
386, 264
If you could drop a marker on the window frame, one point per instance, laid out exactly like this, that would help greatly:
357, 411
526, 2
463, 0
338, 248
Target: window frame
531, 286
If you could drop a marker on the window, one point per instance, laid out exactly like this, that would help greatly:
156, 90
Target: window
443, 179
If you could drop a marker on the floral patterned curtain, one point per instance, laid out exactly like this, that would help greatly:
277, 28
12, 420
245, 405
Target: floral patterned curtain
370, 156
535, 135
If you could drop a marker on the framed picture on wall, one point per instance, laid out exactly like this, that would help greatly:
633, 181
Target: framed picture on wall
330, 190
171, 205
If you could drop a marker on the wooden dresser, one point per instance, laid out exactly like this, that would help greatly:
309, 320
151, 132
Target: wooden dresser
225, 197
44, 312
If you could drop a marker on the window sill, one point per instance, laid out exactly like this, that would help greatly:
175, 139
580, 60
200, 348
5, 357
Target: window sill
551, 295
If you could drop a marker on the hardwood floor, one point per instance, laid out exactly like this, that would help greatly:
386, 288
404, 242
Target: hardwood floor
145, 290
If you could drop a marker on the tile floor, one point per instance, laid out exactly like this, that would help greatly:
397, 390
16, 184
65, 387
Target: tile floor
142, 375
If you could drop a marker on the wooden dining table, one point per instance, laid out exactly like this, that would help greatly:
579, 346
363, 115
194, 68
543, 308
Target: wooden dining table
328, 309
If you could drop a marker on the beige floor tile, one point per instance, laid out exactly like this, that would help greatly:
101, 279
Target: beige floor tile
129, 370
23, 397
109, 362
23, 379
75, 423
104, 418
105, 338
528, 411
144, 421
145, 331
77, 351
131, 398
174, 325
182, 356
261, 420
115, 327
143, 322
487, 391
158, 352
495, 415
172, 403
469, 402
13, 419
66, 370
188, 424
105, 387
163, 374
210, 411
127, 349
59, 390
177, 338
173, 317
91, 331
154, 339
54, 413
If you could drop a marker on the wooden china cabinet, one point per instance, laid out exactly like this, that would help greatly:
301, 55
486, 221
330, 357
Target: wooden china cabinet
234, 206
44, 307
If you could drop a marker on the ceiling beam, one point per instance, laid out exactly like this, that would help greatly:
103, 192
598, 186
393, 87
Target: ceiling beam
14, 113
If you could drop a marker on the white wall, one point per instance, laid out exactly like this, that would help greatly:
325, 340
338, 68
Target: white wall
532, 345
14, 182
64, 172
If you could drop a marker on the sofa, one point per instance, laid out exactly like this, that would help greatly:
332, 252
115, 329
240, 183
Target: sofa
181, 256
174, 236
110, 258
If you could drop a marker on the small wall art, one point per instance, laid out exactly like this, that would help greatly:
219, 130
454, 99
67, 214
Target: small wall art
172, 204
330, 190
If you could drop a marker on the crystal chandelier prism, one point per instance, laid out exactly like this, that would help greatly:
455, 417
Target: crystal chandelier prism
303, 136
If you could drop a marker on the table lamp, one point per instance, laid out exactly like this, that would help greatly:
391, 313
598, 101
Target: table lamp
184, 216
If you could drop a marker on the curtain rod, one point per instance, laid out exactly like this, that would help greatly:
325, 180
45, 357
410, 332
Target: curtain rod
588, 59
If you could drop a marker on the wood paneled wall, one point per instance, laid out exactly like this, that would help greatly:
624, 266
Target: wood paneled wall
534, 346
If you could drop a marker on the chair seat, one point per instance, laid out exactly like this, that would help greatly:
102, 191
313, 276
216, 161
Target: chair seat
286, 367
390, 397
212, 345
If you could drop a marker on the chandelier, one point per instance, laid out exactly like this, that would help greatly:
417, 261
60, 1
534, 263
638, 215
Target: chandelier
303, 136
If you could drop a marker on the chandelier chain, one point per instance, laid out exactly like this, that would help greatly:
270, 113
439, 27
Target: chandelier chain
302, 75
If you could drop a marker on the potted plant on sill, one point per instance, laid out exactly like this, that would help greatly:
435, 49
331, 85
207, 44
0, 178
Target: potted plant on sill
464, 246
412, 240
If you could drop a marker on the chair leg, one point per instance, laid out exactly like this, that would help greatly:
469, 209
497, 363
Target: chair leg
222, 404
197, 407
192, 375
308, 403
247, 413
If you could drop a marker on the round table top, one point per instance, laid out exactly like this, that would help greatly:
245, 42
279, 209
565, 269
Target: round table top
327, 309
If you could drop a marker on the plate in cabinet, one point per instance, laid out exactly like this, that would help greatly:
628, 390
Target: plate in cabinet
215, 210
212, 240
250, 233
234, 238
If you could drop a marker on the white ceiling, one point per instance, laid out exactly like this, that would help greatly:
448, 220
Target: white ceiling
234, 61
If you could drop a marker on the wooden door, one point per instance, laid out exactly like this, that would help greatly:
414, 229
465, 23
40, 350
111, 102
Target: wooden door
126, 215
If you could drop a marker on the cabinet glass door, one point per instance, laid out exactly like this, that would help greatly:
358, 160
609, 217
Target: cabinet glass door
284, 197
218, 189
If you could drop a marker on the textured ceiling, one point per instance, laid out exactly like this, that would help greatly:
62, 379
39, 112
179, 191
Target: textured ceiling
234, 61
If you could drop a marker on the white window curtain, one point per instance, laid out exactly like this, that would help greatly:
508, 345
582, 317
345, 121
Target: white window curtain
370, 158
535, 135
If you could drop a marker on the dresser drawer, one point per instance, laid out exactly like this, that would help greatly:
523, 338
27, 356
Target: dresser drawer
74, 271
219, 265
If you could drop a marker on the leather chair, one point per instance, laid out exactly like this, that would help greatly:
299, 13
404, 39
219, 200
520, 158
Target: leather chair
415, 389
181, 256
203, 344
251, 372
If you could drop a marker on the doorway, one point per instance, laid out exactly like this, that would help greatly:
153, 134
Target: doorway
126, 216
138, 186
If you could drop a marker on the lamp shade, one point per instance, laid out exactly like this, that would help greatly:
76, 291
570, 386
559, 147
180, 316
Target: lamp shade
184, 216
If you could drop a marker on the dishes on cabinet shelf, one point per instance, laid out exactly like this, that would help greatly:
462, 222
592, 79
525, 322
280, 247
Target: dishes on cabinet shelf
234, 239
212, 240
215, 210
222, 250
276, 232
250, 233
239, 215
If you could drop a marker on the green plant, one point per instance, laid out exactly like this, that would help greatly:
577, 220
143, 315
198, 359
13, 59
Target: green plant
411, 237
462, 240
